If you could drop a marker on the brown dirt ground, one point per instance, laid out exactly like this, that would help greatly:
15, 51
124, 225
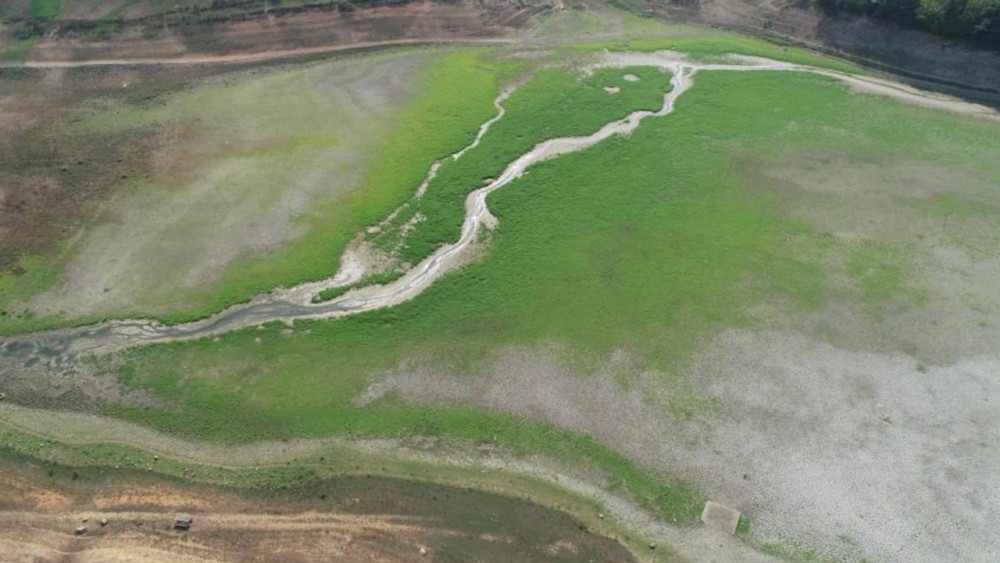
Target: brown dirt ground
309, 28
346, 519
52, 183
46, 185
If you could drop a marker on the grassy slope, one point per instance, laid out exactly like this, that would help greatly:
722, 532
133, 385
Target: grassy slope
555, 103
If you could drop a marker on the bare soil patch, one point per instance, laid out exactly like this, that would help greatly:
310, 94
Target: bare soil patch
345, 519
224, 187
49, 181
255, 30
53, 182
809, 449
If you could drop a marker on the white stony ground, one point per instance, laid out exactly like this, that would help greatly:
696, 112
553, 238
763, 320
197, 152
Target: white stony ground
853, 454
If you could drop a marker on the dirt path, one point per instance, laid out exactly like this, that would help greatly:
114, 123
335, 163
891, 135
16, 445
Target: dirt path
254, 57
129, 517
695, 544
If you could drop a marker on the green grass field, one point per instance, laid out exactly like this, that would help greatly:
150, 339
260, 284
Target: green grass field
767, 202
45, 9
555, 103
647, 243
619, 237
455, 93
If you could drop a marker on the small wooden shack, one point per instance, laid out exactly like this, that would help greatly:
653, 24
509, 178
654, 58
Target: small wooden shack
183, 521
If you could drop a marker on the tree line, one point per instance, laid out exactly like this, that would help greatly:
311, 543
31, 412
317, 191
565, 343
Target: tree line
975, 21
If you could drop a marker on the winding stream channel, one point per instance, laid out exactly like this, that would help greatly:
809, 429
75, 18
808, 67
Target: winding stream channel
287, 305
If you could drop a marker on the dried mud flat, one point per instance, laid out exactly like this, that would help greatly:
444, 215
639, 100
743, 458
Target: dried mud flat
857, 455
346, 519
184, 235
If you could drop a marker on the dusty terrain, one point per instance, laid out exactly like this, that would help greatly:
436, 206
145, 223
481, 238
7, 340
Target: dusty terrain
226, 187
815, 452
346, 519
255, 30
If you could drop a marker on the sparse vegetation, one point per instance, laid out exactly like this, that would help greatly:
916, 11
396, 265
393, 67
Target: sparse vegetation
17, 52
882, 275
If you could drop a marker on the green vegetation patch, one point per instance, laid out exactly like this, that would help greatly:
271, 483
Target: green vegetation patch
555, 103
18, 52
647, 243
882, 274
45, 9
